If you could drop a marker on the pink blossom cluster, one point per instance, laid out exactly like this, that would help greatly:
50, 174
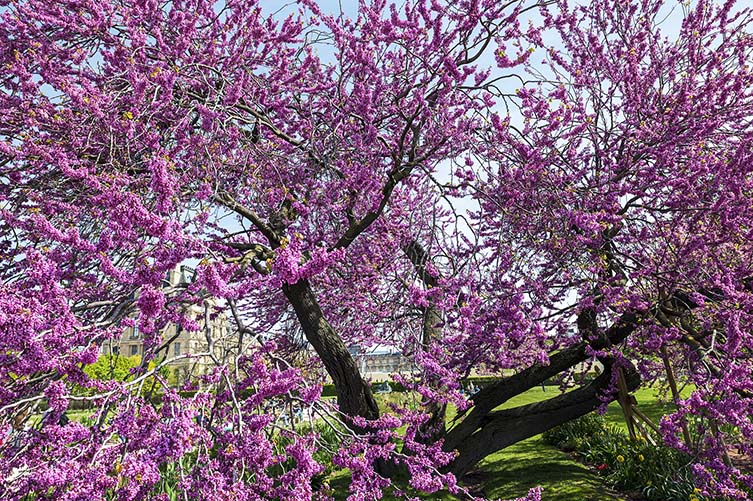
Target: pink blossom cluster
507, 189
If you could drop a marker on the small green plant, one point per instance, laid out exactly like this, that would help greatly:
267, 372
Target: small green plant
168, 484
328, 442
568, 436
660, 473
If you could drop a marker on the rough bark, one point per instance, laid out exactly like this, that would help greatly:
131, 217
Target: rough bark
499, 429
353, 393
501, 391
435, 428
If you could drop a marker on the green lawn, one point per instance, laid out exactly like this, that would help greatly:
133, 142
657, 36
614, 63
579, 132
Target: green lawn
511, 472
651, 402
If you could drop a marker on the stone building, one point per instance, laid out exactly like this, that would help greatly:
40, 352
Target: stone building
180, 341
379, 364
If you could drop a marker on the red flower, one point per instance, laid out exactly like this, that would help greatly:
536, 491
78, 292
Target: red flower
602, 466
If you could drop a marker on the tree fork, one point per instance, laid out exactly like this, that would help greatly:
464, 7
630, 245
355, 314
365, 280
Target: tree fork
500, 429
499, 392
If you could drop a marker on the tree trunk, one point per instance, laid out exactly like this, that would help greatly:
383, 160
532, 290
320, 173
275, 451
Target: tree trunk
500, 429
435, 428
353, 393
484, 431
501, 391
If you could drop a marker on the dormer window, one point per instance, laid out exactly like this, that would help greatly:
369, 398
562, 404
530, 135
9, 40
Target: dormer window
187, 274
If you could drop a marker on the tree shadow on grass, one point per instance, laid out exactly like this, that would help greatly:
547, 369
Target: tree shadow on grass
512, 472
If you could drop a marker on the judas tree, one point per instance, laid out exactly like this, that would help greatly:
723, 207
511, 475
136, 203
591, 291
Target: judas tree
513, 189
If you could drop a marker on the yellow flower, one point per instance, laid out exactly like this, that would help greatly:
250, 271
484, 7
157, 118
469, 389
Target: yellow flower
693, 497
620, 459
127, 115
640, 457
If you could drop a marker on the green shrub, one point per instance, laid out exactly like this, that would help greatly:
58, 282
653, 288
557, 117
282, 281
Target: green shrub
566, 435
112, 367
328, 443
120, 368
660, 473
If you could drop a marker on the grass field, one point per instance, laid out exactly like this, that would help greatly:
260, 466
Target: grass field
511, 472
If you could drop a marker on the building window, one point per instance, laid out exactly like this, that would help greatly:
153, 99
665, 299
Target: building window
135, 332
176, 349
116, 350
187, 275
134, 349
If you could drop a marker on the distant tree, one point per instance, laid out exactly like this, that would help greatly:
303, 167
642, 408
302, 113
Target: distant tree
112, 367
512, 188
